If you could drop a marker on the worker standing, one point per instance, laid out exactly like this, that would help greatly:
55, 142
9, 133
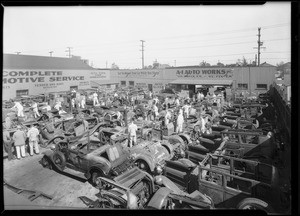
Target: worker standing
155, 111
186, 109
83, 100
19, 138
20, 108
179, 122
33, 136
167, 117
95, 99
7, 144
35, 109
132, 128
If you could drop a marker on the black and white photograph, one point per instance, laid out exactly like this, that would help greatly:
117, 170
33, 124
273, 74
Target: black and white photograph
147, 107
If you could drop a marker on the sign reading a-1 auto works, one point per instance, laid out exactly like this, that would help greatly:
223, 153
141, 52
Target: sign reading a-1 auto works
206, 73
41, 81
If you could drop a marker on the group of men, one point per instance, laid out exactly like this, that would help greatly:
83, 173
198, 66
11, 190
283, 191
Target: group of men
18, 140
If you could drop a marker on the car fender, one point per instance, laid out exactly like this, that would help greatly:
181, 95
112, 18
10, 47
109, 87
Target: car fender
147, 160
169, 147
49, 154
185, 137
166, 182
102, 167
159, 198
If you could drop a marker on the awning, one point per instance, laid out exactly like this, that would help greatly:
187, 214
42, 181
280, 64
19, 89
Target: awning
201, 82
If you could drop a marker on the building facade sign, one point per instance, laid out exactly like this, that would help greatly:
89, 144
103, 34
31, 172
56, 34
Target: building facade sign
206, 73
139, 74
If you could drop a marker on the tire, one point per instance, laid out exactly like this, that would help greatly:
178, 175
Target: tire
94, 175
46, 162
254, 204
59, 160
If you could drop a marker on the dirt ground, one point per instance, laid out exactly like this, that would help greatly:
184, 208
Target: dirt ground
28, 173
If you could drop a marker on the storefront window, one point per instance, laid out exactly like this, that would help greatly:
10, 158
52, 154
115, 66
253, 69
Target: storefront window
73, 87
21, 92
242, 86
123, 83
108, 86
261, 86
131, 83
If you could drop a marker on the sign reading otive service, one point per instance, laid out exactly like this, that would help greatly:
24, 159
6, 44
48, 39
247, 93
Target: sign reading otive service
205, 73
42, 76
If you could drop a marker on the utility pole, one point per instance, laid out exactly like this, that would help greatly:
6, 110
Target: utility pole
259, 43
18, 53
255, 59
69, 51
51, 53
142, 53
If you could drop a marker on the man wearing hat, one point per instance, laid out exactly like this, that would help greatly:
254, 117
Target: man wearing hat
33, 136
19, 138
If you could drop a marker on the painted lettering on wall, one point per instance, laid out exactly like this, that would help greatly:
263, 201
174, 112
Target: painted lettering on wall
205, 73
99, 75
17, 77
139, 74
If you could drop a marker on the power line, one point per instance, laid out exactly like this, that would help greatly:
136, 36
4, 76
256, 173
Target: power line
209, 33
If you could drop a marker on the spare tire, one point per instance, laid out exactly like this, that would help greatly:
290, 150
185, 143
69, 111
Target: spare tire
254, 203
59, 160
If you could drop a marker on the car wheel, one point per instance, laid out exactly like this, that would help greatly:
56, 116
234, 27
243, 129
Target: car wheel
59, 160
94, 175
143, 166
254, 204
46, 163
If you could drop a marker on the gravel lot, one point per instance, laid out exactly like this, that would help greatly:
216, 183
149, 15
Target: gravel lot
28, 173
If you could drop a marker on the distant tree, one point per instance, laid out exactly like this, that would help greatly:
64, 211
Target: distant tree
219, 64
114, 66
204, 64
149, 67
155, 64
242, 62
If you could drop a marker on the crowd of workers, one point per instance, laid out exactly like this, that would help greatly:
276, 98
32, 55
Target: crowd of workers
178, 115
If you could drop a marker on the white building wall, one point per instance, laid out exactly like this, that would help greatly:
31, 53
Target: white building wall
41, 81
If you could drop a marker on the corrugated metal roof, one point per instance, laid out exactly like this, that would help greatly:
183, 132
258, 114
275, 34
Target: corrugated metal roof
202, 82
12, 61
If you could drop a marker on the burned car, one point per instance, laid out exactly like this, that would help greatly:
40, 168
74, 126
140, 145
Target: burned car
87, 158
136, 189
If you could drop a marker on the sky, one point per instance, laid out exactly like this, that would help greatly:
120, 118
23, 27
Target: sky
174, 35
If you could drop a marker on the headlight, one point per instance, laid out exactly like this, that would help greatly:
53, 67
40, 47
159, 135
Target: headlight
52, 146
158, 169
98, 181
158, 180
182, 153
